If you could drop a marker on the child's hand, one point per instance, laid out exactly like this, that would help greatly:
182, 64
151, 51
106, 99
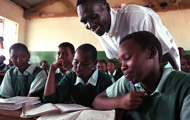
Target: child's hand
132, 100
56, 64
66, 65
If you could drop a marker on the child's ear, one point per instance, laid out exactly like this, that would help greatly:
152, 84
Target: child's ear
152, 51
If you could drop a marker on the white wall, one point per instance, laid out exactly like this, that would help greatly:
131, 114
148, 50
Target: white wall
47, 33
15, 13
178, 23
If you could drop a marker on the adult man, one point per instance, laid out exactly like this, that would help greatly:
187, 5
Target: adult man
112, 25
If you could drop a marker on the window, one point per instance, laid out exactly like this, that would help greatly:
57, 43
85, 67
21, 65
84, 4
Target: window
9, 35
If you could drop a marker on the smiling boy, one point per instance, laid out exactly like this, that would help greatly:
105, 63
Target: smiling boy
161, 92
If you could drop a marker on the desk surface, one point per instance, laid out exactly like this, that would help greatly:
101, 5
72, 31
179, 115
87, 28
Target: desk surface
12, 115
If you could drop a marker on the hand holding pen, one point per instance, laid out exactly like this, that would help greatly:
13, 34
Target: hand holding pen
132, 100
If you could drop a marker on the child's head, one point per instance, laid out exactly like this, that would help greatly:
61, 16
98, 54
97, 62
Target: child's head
181, 51
111, 66
84, 61
19, 56
66, 52
2, 59
139, 54
185, 63
102, 65
44, 64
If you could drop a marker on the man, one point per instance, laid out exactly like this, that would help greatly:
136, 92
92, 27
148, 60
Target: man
112, 25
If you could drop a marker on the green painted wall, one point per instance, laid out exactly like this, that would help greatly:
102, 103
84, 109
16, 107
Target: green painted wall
187, 52
50, 56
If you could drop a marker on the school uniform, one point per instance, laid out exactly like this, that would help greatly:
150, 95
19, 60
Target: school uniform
15, 83
170, 100
59, 75
116, 74
2, 67
74, 87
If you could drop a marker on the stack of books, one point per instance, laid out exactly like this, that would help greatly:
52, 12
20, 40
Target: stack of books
15, 103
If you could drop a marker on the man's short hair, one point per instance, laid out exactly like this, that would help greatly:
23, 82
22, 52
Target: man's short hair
79, 2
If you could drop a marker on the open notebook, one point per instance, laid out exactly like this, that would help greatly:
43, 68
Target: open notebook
51, 111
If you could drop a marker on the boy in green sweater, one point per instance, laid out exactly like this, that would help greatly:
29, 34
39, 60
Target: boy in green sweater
82, 84
150, 90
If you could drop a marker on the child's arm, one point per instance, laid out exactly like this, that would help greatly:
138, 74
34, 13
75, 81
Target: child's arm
129, 101
50, 84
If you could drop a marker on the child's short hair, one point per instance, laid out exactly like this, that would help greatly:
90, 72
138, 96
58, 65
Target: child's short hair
89, 48
145, 39
20, 46
102, 60
111, 61
69, 45
96, 1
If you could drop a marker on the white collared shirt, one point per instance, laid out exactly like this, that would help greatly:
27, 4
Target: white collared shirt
92, 80
133, 18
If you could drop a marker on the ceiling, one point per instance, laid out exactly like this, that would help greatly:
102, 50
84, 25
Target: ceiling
67, 8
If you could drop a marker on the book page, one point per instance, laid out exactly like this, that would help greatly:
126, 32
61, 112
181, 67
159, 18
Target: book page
29, 111
70, 107
96, 115
18, 100
62, 116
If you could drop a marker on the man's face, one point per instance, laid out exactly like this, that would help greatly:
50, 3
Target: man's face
135, 63
95, 17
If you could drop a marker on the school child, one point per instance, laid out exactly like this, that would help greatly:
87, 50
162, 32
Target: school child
150, 90
44, 66
24, 79
2, 64
185, 63
112, 70
65, 56
82, 84
102, 65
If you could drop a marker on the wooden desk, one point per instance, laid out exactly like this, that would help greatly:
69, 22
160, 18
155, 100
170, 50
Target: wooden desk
15, 115
12, 115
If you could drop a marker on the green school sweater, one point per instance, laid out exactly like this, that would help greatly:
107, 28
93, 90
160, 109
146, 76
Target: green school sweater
21, 83
168, 104
81, 94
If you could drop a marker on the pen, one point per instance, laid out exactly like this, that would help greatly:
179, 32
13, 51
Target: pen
132, 85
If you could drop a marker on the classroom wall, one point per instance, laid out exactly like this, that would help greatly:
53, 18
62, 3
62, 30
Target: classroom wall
13, 12
178, 23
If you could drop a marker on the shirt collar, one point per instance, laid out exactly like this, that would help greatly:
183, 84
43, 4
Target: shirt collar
92, 80
167, 69
113, 73
29, 70
113, 26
